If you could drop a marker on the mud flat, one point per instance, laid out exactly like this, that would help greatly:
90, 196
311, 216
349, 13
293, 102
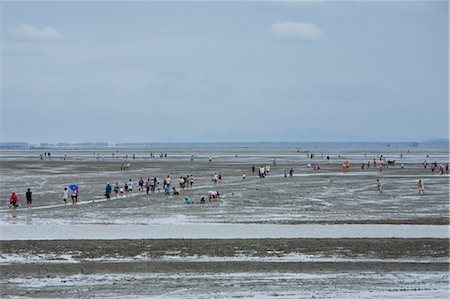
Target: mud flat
323, 234
290, 268
328, 196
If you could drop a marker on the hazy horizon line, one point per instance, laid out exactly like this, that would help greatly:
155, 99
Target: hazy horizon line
61, 143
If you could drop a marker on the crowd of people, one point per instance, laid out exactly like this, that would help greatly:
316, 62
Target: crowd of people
153, 184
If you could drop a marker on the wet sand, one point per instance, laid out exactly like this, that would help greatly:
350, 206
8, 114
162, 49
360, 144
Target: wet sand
330, 195
194, 268
241, 268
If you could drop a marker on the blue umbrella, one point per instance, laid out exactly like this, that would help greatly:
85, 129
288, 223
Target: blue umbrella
73, 187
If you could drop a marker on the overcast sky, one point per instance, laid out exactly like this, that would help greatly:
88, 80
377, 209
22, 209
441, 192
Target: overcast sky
233, 71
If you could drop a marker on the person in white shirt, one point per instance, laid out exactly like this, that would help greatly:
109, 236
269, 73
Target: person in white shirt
65, 195
261, 171
130, 186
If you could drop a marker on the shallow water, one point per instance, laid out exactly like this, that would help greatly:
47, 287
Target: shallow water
220, 231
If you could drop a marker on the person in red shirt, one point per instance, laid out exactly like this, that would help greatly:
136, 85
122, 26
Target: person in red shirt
13, 200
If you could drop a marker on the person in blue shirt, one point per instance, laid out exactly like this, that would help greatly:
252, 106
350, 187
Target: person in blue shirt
108, 190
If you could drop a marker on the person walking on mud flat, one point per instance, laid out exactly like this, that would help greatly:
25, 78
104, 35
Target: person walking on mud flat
65, 195
28, 194
74, 197
141, 185
191, 181
130, 187
108, 190
152, 184
117, 189
262, 170
13, 201
167, 182
147, 186
421, 187
379, 186
126, 189
182, 183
